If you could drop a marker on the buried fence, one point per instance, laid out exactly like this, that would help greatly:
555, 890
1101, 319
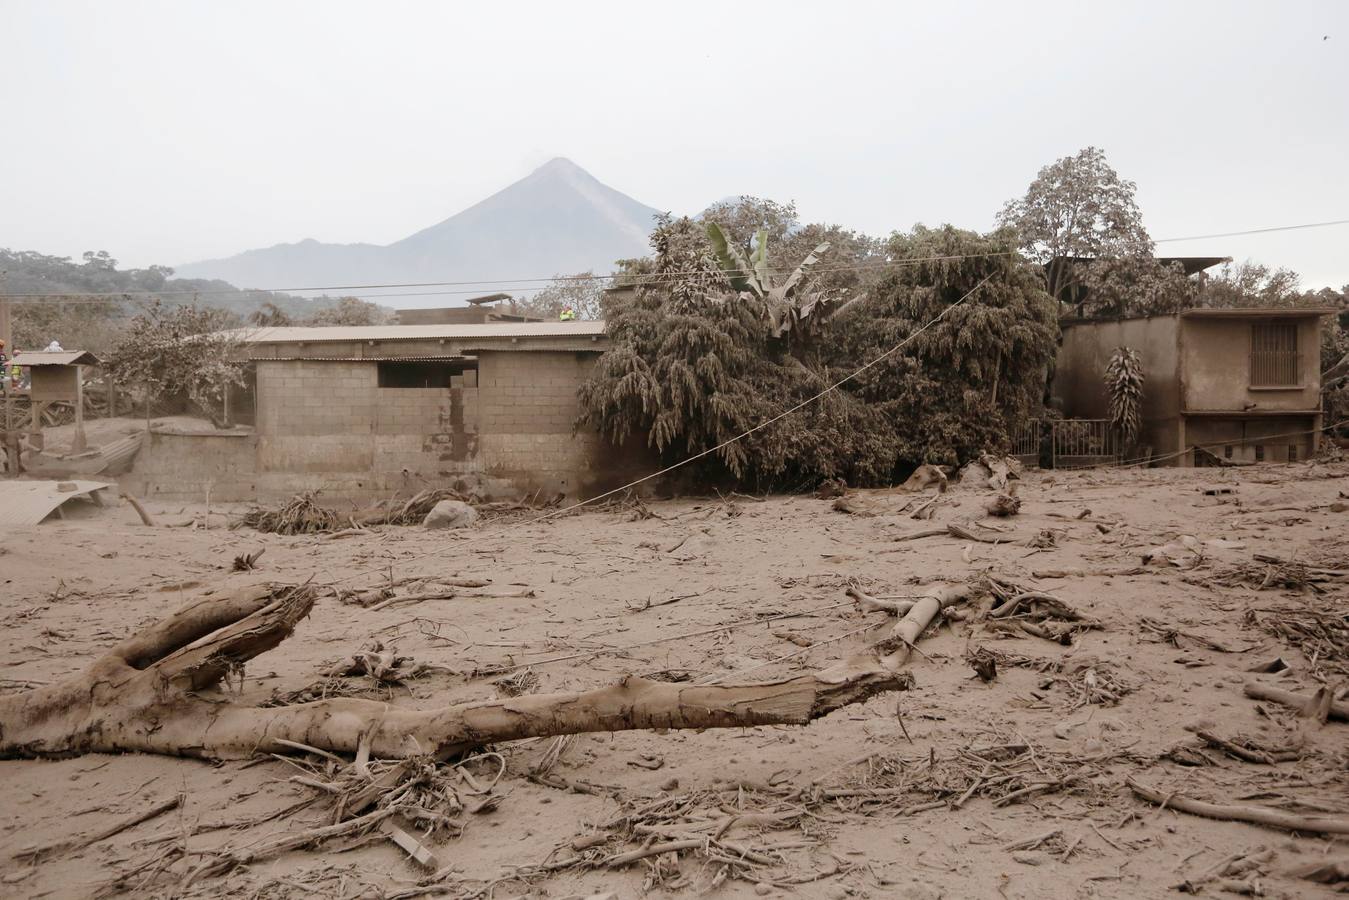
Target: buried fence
1066, 443
1082, 442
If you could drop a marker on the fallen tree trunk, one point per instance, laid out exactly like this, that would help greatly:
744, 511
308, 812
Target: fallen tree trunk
147, 695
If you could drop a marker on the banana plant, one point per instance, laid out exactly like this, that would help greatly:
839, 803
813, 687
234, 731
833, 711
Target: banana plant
789, 306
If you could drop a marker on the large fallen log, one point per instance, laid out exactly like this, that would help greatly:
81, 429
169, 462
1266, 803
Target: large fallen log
152, 693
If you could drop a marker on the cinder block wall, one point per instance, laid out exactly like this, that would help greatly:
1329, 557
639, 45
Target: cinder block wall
528, 409
327, 425
182, 467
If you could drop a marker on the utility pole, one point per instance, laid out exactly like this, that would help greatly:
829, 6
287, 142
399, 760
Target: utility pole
11, 438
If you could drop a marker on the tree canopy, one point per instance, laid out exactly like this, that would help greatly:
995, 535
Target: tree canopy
694, 363
583, 293
1077, 207
97, 323
1134, 286
349, 311
179, 349
961, 383
1251, 284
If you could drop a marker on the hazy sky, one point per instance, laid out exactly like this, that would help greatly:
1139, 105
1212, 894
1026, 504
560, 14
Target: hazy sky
170, 132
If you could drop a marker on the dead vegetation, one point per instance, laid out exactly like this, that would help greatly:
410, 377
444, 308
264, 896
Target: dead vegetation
298, 515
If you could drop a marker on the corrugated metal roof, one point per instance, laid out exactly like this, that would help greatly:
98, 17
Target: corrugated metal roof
29, 502
487, 330
54, 358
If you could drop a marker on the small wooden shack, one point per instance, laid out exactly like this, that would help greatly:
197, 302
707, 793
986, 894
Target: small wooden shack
56, 376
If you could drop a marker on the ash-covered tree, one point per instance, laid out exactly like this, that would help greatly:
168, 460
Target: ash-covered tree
680, 367
1335, 374
1135, 286
582, 293
964, 379
91, 323
1077, 207
855, 259
350, 311
1249, 284
180, 350
741, 218
694, 363
269, 315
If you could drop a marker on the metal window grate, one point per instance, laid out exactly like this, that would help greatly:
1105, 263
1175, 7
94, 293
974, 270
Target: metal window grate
1273, 354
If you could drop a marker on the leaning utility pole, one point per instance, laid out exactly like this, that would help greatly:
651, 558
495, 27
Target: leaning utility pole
10, 436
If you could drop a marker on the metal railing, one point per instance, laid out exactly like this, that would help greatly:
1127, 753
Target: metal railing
1027, 438
1082, 442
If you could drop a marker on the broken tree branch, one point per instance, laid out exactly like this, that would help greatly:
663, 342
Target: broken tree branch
79, 842
1255, 815
1301, 702
140, 510
873, 604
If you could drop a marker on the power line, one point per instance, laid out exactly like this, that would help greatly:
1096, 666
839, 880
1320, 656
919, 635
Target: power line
642, 278
1201, 237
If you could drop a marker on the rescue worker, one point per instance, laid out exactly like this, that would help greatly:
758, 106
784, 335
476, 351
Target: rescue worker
567, 315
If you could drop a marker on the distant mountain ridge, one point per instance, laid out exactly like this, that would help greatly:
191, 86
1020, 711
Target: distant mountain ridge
559, 219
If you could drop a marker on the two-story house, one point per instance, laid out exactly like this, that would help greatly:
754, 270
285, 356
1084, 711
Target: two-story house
1241, 384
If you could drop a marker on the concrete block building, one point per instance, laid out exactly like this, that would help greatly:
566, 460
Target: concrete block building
1237, 384
364, 412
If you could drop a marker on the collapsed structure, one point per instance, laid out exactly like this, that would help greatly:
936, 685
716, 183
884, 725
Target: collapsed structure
363, 411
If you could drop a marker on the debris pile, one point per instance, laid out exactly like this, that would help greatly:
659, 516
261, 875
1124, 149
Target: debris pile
298, 515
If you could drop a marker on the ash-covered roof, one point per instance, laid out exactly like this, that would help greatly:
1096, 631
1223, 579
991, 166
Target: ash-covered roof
458, 332
54, 358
